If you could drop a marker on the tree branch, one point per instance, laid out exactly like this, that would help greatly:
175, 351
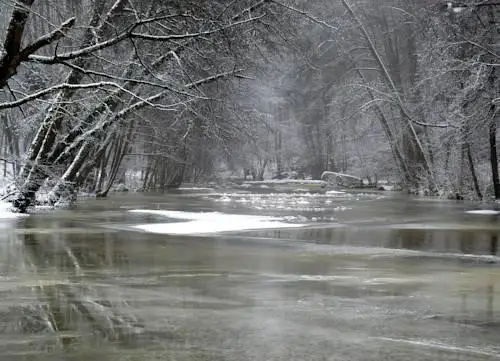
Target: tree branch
191, 35
10, 59
58, 58
129, 33
103, 126
17, 23
129, 80
306, 14
48, 38
249, 9
57, 87
390, 83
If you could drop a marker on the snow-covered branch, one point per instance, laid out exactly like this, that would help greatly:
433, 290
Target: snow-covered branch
130, 80
191, 35
122, 114
58, 58
48, 38
130, 33
9, 60
306, 14
148, 101
43, 92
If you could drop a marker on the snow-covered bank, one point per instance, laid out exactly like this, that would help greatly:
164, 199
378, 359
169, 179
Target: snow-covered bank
210, 222
6, 211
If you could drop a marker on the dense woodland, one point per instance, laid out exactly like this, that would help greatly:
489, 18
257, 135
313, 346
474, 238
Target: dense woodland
101, 92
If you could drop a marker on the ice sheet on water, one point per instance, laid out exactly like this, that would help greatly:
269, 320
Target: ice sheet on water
210, 222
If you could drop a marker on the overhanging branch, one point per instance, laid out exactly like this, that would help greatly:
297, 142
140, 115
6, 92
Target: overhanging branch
54, 88
48, 38
130, 33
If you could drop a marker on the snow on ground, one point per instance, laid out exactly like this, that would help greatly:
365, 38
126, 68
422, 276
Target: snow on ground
6, 213
210, 222
484, 212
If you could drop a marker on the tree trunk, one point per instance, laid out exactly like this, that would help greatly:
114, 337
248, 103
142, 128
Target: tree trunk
493, 154
389, 81
66, 186
37, 166
473, 171
278, 150
11, 56
121, 150
395, 149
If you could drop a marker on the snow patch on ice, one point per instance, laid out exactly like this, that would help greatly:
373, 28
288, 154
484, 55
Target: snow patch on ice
301, 190
330, 193
195, 189
484, 212
210, 222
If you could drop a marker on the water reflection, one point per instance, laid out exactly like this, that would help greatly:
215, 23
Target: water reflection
49, 275
494, 244
465, 241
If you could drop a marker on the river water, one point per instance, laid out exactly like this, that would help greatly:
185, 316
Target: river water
367, 277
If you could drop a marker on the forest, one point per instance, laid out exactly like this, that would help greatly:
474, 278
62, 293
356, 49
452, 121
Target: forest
97, 93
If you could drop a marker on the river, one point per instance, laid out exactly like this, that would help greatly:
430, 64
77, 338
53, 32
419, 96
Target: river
361, 276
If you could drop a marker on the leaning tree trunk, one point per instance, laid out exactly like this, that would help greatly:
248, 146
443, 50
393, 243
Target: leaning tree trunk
38, 164
473, 171
388, 80
391, 137
66, 186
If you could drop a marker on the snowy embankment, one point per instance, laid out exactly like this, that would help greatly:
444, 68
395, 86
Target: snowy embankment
210, 222
6, 211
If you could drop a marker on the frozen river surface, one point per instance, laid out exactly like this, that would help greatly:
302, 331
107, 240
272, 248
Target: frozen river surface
205, 275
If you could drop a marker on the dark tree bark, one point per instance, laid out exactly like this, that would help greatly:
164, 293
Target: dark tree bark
493, 155
473, 171
12, 46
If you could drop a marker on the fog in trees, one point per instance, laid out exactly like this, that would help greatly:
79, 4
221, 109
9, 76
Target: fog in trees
155, 94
